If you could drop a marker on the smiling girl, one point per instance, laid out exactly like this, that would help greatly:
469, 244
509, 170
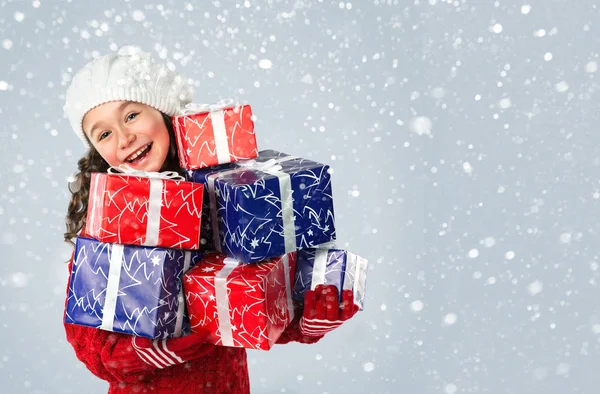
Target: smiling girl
120, 105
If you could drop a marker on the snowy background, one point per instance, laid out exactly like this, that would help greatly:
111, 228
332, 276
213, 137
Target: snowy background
463, 135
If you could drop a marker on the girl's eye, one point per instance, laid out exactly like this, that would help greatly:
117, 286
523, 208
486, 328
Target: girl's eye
132, 116
103, 135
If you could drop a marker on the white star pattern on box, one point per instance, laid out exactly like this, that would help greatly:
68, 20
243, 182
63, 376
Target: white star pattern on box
251, 208
155, 320
155, 260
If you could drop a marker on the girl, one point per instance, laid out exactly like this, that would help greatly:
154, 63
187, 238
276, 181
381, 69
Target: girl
120, 105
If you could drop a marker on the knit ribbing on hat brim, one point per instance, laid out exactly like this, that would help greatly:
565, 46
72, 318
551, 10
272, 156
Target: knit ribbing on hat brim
162, 104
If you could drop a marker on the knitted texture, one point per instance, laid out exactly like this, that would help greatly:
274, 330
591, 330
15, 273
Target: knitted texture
127, 75
322, 311
125, 363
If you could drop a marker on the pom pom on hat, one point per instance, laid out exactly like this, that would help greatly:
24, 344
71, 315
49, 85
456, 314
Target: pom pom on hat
127, 75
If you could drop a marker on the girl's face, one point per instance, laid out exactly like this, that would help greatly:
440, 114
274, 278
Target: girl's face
125, 132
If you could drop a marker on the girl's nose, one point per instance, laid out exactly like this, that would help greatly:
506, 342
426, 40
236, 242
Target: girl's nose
126, 140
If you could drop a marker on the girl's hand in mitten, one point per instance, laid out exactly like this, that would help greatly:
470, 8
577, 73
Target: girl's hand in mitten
166, 352
323, 312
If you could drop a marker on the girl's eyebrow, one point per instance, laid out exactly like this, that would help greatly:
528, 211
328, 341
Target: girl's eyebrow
120, 108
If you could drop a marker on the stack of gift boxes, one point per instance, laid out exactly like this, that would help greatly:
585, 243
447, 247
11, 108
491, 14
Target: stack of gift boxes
264, 217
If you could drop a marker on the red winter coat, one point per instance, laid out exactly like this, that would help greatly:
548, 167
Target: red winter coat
110, 356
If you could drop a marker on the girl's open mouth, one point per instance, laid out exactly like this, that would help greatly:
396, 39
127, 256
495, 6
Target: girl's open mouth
138, 156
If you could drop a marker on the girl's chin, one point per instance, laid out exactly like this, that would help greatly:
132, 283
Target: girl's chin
147, 165
153, 162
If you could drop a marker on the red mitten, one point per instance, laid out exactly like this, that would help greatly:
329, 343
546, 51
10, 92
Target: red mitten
323, 312
163, 353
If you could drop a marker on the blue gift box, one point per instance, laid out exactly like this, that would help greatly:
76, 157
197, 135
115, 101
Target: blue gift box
268, 206
338, 267
134, 290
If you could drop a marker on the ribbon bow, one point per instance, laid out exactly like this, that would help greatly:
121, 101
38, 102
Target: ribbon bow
194, 108
124, 169
269, 166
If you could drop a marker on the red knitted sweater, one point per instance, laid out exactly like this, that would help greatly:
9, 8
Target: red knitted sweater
110, 356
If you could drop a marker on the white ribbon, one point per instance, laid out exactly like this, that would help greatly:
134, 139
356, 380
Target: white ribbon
288, 286
98, 187
125, 170
181, 299
112, 287
154, 198
355, 277
154, 206
319, 268
217, 118
197, 108
222, 300
269, 166
273, 167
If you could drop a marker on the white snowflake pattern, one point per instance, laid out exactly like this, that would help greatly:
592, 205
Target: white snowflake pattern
309, 232
254, 243
155, 260
208, 269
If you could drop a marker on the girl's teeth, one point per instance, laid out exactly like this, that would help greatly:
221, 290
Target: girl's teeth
136, 154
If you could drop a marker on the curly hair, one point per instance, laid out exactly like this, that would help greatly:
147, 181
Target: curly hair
93, 162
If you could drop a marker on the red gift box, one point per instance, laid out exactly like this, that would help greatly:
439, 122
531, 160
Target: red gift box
241, 305
149, 211
215, 136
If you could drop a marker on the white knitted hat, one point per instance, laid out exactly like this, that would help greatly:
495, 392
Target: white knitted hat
128, 75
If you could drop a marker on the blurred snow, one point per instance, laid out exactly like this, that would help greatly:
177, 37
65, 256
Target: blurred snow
465, 153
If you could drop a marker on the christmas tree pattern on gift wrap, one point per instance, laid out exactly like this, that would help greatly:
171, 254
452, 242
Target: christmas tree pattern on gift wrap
215, 135
249, 209
253, 297
123, 209
148, 289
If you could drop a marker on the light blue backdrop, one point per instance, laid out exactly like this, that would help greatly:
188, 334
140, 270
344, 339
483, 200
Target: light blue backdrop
464, 139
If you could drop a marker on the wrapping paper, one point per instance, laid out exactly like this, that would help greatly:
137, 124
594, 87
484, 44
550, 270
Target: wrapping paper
344, 270
242, 305
133, 290
215, 135
267, 207
135, 210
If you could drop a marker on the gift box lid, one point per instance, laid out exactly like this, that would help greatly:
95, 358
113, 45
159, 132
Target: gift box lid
248, 172
212, 263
